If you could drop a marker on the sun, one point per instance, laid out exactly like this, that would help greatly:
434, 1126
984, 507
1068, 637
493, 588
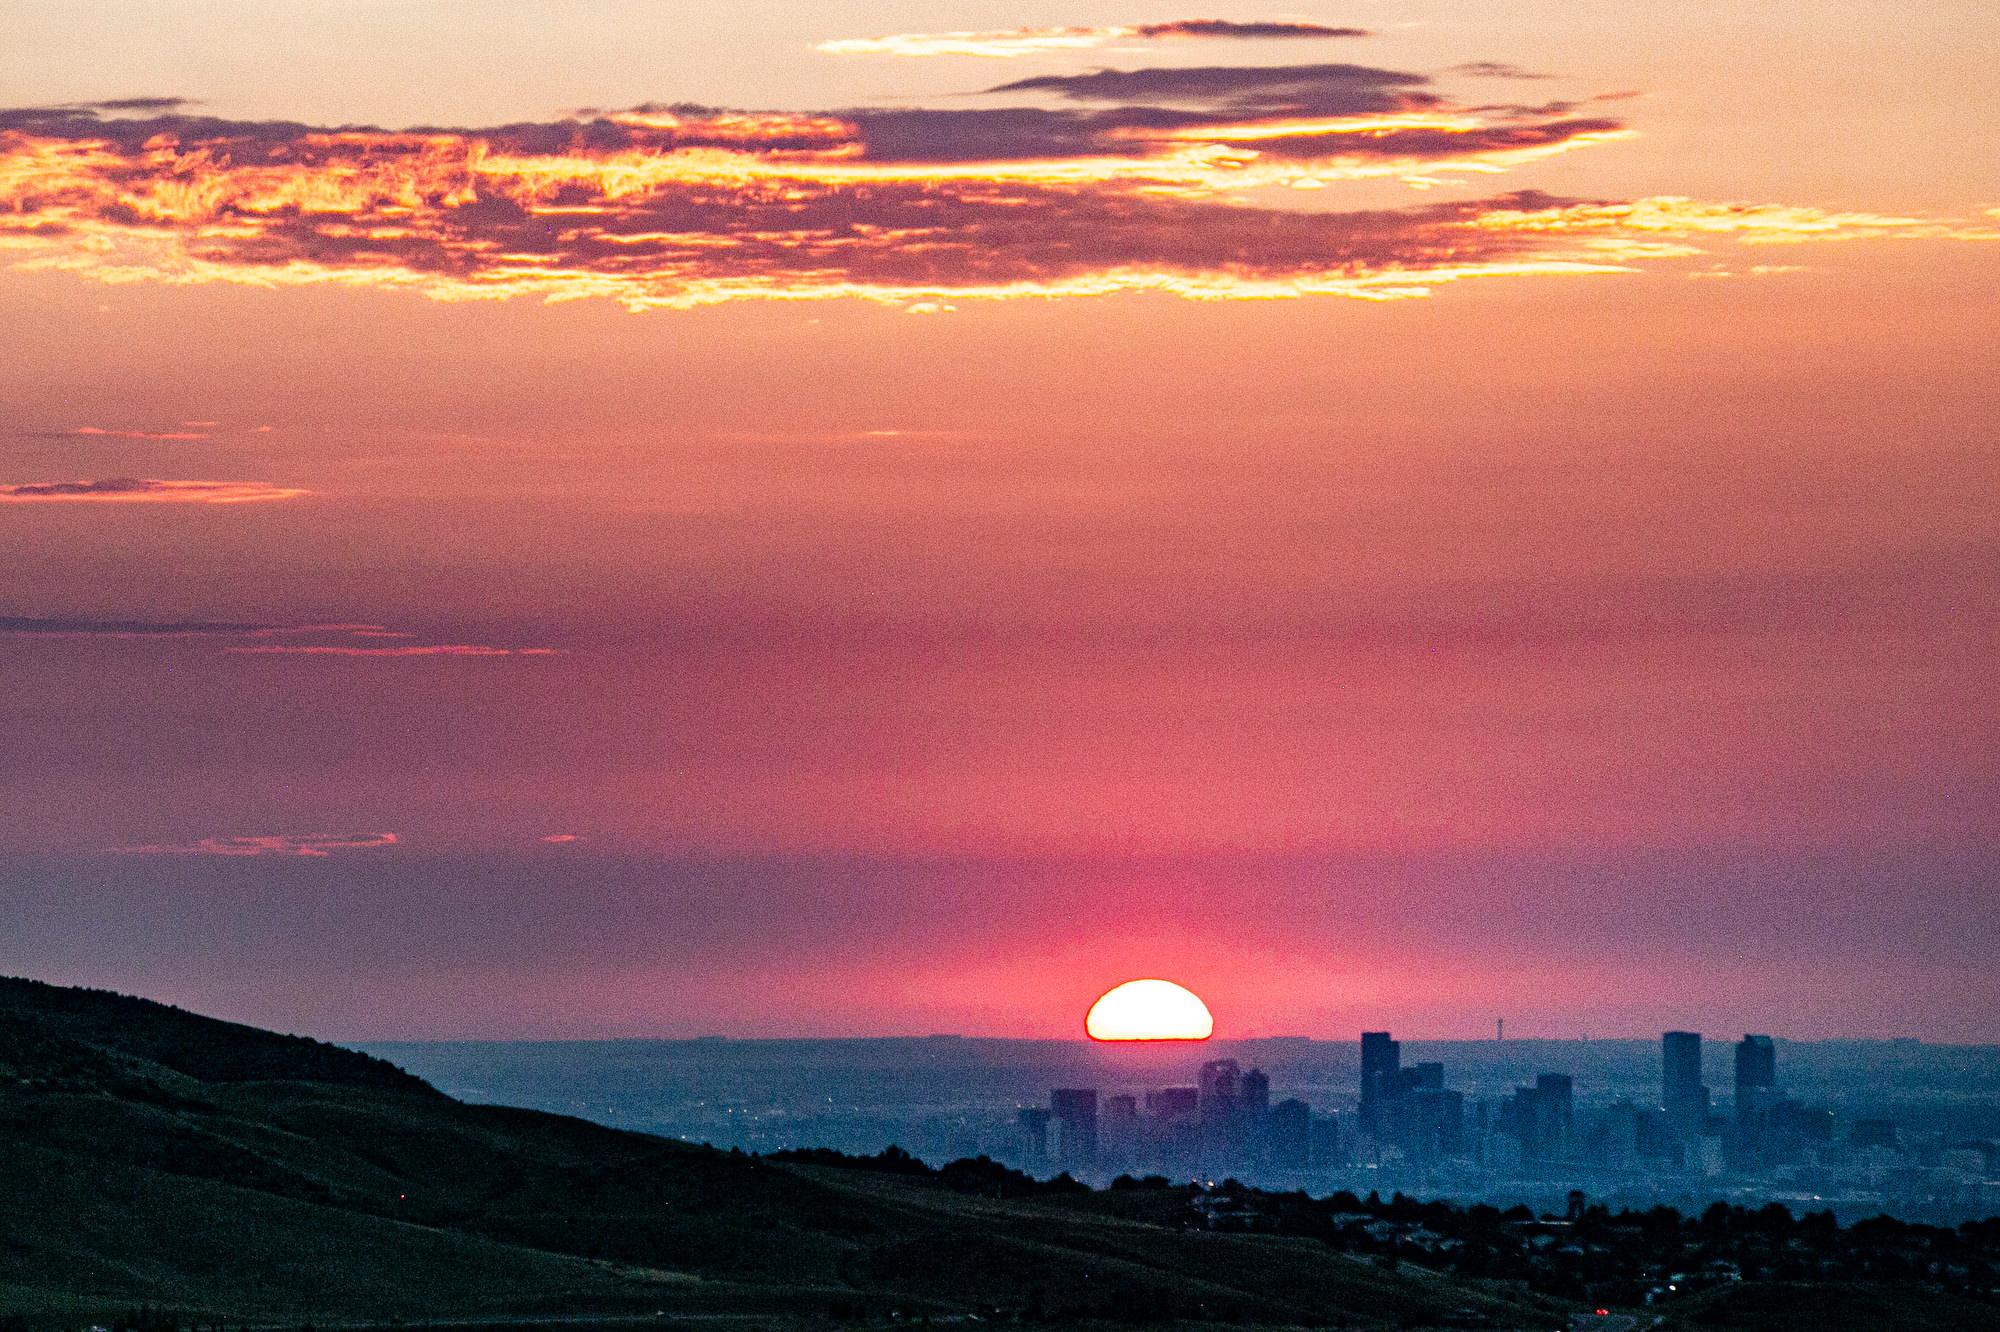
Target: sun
1149, 1010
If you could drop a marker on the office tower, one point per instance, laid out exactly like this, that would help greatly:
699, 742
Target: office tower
1756, 1078
1327, 1150
1682, 1095
1381, 1060
1173, 1105
1173, 1127
1118, 1125
1427, 1123
1253, 1093
1243, 1134
1033, 1124
1420, 1076
1800, 1125
1218, 1079
1073, 1111
1511, 1139
1291, 1134
1617, 1138
1555, 1116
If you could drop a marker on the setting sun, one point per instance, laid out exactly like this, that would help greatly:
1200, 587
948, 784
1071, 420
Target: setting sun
1149, 1010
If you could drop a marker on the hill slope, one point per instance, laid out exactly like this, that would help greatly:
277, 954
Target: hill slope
148, 1154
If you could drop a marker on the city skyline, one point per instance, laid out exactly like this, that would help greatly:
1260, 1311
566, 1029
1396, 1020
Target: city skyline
1405, 1126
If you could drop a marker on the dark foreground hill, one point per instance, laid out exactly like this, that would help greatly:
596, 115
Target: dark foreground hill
149, 1156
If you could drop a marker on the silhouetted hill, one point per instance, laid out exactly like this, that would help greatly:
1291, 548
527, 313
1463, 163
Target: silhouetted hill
148, 1155
50, 1031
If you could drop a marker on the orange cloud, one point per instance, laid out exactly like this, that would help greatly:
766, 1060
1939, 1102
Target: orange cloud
97, 431
314, 845
134, 490
1175, 180
1008, 43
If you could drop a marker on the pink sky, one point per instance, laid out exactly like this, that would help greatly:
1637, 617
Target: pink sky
905, 537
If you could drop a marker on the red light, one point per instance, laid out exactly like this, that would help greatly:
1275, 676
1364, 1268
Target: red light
1604, 1313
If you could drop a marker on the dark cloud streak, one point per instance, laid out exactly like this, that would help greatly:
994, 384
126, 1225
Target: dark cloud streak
1228, 29
1334, 89
60, 626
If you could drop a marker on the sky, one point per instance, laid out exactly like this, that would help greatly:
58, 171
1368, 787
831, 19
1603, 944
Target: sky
618, 517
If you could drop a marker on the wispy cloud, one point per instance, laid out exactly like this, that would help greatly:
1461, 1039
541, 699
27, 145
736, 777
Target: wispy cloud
1177, 180
70, 626
1261, 90
90, 626
1007, 43
309, 844
134, 104
285, 640
104, 432
400, 650
135, 490
1495, 69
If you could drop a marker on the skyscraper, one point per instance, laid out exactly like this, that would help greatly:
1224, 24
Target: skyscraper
1073, 1110
1118, 1125
1756, 1077
1427, 1123
1218, 1082
1555, 1116
1253, 1093
1427, 1076
1291, 1134
1033, 1123
1381, 1060
1326, 1144
1682, 1095
1173, 1126
1173, 1105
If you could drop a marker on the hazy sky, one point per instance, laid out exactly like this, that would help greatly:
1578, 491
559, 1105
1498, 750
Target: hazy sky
584, 518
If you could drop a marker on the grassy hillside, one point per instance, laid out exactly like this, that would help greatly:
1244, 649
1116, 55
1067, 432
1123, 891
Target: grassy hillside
151, 1155
1793, 1307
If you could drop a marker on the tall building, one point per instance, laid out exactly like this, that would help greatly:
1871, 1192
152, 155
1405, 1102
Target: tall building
1173, 1105
1118, 1125
1033, 1124
1420, 1076
1427, 1123
1253, 1093
1291, 1134
1381, 1061
1683, 1096
1173, 1127
1555, 1116
1756, 1078
1326, 1144
1073, 1112
1218, 1084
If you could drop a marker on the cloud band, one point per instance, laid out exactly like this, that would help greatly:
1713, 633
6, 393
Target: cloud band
1164, 180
